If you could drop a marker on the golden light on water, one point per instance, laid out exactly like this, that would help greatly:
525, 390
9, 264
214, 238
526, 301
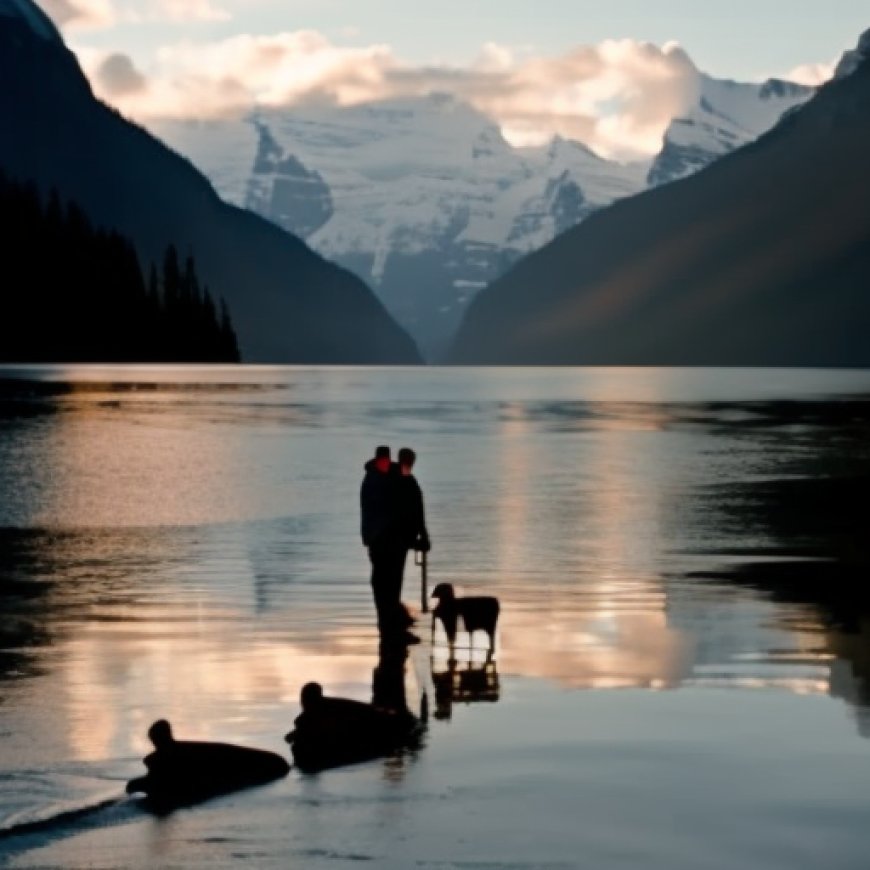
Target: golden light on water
128, 459
212, 684
169, 597
601, 620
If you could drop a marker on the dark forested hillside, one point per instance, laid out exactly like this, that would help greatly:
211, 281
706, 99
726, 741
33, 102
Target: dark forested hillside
76, 293
289, 304
760, 259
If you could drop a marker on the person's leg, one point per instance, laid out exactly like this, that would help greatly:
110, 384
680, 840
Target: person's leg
388, 680
388, 563
397, 557
381, 587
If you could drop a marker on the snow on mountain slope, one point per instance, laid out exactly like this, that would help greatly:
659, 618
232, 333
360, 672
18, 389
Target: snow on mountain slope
726, 116
426, 200
422, 197
405, 172
564, 182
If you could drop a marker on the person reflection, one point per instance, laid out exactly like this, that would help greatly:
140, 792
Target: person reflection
388, 680
467, 682
330, 731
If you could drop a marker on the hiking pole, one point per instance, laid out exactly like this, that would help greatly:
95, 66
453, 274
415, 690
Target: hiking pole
420, 559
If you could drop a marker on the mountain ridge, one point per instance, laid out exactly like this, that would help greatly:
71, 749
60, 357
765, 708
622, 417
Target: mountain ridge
289, 304
424, 198
721, 268
33, 18
726, 116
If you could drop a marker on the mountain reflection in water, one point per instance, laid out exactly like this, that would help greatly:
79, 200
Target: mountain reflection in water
174, 548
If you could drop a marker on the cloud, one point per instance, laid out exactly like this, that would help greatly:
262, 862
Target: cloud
811, 73
92, 14
618, 97
189, 10
80, 13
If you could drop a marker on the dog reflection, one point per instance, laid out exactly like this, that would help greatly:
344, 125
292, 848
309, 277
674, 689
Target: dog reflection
467, 682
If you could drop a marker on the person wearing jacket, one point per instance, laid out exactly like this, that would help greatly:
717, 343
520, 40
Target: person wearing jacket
411, 514
381, 535
392, 522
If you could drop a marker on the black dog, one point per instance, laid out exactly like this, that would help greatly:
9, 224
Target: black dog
480, 612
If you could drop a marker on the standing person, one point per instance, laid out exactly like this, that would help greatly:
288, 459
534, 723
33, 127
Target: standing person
412, 516
381, 533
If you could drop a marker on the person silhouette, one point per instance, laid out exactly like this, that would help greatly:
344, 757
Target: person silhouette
411, 513
382, 534
182, 772
332, 731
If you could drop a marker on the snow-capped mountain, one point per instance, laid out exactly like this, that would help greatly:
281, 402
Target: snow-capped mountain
760, 259
726, 116
426, 200
423, 197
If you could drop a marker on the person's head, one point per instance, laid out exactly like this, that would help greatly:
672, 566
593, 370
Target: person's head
382, 458
310, 696
160, 734
407, 458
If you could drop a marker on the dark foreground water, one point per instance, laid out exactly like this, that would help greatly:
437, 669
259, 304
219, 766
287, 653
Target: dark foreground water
675, 685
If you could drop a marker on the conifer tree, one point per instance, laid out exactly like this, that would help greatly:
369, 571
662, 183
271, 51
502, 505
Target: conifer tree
81, 295
229, 345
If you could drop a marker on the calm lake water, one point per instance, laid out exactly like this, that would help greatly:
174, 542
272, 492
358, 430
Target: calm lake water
183, 542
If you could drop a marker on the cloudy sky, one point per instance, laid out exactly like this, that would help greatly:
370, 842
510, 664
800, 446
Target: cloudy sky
612, 74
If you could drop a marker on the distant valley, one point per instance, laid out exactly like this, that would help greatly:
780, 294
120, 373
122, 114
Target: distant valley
365, 234
424, 198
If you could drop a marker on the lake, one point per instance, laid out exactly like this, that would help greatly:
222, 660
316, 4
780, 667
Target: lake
668, 689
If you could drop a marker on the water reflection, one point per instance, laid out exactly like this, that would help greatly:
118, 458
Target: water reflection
194, 555
799, 537
467, 680
118, 638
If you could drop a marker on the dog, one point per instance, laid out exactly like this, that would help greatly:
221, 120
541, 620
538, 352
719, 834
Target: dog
479, 612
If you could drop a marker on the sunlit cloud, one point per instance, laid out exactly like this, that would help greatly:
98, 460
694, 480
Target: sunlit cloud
812, 74
96, 14
80, 14
190, 10
618, 97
